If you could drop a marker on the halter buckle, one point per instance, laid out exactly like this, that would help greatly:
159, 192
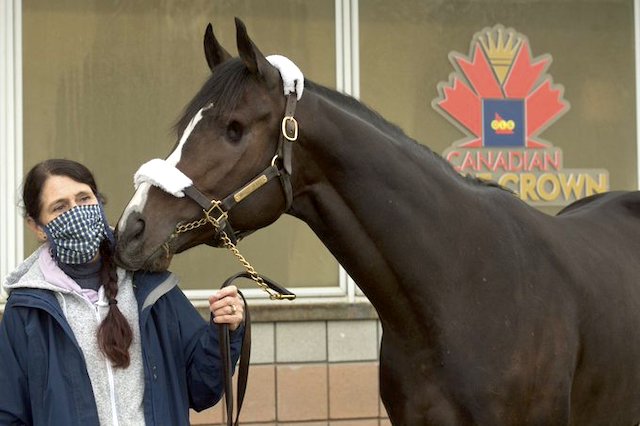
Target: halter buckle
288, 121
215, 221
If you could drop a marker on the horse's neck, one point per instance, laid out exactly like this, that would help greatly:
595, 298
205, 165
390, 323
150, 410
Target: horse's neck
376, 202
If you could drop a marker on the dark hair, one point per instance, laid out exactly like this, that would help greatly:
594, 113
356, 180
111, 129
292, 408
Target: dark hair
34, 182
114, 334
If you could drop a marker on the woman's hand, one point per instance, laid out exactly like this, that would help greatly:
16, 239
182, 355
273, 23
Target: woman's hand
227, 307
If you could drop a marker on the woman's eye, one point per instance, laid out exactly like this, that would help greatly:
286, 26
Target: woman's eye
234, 131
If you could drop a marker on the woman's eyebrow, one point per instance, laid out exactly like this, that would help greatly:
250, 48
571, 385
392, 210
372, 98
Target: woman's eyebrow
83, 193
65, 200
54, 202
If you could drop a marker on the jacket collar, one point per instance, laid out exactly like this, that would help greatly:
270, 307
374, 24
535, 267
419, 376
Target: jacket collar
150, 286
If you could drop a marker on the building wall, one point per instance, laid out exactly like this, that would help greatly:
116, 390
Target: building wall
91, 75
311, 373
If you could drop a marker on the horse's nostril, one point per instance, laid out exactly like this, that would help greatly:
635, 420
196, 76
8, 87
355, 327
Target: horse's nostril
133, 228
137, 228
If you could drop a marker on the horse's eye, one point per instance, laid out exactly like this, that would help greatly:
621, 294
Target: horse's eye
234, 131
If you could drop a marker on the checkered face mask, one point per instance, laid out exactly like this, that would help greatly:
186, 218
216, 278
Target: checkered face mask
75, 235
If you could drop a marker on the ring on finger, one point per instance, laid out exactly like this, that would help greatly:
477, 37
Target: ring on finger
233, 309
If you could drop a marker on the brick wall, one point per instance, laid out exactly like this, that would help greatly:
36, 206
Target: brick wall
311, 373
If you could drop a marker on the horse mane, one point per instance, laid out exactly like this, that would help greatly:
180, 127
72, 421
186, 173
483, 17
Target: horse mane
629, 200
361, 110
579, 203
225, 87
398, 135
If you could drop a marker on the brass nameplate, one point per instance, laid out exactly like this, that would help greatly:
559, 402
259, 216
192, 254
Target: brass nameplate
249, 188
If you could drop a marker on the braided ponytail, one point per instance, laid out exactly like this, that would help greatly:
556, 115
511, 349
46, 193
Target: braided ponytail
115, 334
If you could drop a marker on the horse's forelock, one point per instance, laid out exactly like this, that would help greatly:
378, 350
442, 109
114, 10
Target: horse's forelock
223, 88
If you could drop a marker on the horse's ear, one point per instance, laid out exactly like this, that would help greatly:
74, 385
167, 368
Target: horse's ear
254, 60
213, 51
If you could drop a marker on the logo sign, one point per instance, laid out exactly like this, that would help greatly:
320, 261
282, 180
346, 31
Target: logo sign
502, 99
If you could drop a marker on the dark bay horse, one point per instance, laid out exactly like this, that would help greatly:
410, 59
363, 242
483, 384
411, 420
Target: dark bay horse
493, 313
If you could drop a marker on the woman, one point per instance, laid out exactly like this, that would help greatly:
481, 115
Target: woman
85, 343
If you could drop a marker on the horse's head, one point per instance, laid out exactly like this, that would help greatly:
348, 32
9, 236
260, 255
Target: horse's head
229, 150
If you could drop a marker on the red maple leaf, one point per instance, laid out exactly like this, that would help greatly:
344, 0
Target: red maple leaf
463, 106
462, 102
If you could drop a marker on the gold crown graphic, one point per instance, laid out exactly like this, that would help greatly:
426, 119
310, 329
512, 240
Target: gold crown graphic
500, 45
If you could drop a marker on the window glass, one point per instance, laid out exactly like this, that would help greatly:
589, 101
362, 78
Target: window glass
104, 82
405, 48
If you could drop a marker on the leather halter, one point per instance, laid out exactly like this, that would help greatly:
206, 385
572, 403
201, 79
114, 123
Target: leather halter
216, 211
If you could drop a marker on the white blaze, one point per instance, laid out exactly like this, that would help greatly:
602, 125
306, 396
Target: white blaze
136, 204
147, 176
174, 157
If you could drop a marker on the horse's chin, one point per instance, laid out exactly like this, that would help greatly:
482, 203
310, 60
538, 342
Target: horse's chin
156, 262
214, 241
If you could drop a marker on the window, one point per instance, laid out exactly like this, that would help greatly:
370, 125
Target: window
105, 82
591, 44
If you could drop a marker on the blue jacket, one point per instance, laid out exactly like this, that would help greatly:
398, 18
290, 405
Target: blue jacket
43, 377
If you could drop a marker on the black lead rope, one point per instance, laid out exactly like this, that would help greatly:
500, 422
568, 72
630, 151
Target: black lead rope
245, 352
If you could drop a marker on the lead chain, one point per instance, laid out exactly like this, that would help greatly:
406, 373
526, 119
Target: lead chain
273, 295
190, 226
